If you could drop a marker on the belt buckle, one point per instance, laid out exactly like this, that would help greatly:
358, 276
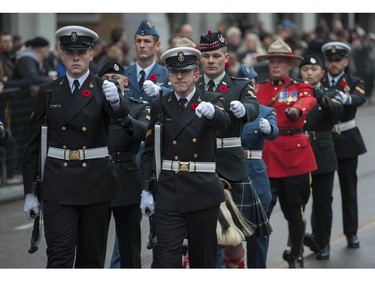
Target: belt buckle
183, 166
73, 154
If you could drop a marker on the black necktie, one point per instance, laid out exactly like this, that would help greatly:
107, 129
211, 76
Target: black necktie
211, 85
76, 87
182, 103
142, 79
333, 83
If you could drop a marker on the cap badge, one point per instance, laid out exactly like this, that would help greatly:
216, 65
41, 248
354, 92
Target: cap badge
74, 37
149, 24
180, 56
116, 67
333, 49
247, 69
221, 38
313, 61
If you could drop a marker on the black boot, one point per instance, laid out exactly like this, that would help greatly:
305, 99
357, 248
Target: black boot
296, 234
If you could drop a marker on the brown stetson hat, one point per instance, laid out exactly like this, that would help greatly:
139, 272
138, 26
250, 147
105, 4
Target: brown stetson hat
280, 49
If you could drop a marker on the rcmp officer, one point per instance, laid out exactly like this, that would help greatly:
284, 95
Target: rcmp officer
345, 132
189, 191
146, 76
319, 123
79, 180
242, 106
289, 158
254, 133
125, 136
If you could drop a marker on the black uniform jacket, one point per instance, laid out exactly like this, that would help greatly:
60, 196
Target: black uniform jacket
186, 137
231, 162
349, 143
124, 140
74, 122
321, 119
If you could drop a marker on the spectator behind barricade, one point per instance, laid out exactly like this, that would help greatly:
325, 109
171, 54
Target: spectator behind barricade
119, 38
29, 72
98, 50
6, 58
186, 30
234, 38
9, 145
250, 48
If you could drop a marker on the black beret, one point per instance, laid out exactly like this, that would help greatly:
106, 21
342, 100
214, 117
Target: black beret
111, 67
311, 60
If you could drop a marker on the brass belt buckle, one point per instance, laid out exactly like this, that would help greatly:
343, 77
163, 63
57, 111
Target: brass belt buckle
183, 166
73, 154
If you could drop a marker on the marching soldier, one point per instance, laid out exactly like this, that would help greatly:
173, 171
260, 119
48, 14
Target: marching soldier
289, 158
319, 123
125, 136
346, 133
79, 180
254, 133
242, 106
189, 191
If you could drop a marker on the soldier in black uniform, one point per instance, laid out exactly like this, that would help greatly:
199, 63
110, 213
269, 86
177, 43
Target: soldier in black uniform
242, 106
189, 191
346, 135
125, 136
319, 123
79, 179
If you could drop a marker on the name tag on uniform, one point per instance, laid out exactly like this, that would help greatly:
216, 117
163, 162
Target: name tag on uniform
168, 119
55, 106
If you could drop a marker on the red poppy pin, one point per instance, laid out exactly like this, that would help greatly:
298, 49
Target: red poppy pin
86, 93
223, 88
343, 84
194, 106
153, 78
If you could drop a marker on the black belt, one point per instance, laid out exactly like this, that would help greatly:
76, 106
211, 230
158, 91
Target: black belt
123, 156
318, 134
290, 131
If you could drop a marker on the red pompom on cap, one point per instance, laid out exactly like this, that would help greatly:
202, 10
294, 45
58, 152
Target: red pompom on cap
209, 32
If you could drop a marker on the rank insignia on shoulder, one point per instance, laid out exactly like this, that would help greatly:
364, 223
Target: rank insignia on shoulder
148, 133
359, 89
148, 117
251, 93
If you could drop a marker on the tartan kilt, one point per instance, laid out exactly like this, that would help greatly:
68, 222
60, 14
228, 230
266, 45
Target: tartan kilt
247, 201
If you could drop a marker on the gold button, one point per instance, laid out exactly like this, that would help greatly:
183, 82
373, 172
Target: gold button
176, 158
174, 142
84, 165
195, 155
84, 129
194, 140
65, 164
64, 146
63, 128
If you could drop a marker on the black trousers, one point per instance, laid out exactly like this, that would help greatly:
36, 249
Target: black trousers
321, 216
347, 173
76, 235
128, 231
200, 229
293, 194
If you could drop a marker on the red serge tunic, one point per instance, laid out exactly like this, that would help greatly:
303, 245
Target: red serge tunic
290, 155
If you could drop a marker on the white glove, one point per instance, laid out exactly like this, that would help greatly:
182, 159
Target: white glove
31, 206
110, 91
151, 89
205, 109
264, 126
344, 98
237, 108
147, 203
